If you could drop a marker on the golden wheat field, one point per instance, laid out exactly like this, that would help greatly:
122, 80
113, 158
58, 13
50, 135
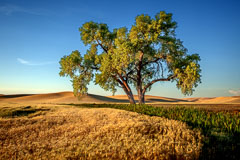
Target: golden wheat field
63, 132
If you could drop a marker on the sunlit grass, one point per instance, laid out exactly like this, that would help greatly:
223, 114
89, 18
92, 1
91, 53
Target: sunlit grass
88, 131
83, 133
221, 129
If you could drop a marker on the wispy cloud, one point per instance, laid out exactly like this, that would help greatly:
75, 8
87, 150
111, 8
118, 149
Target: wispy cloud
22, 61
10, 9
235, 92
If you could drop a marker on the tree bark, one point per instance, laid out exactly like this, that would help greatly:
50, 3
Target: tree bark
141, 97
131, 98
128, 92
126, 89
139, 81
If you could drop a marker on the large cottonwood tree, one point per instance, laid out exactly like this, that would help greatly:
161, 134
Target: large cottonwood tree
137, 58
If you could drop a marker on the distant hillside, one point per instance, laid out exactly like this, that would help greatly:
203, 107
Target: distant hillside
68, 97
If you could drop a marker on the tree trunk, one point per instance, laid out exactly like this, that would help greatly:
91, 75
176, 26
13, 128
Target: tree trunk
126, 89
128, 92
131, 98
141, 97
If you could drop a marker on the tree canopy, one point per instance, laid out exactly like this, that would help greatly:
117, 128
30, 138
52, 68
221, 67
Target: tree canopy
137, 58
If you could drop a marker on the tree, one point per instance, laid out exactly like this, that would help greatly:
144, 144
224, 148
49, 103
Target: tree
146, 54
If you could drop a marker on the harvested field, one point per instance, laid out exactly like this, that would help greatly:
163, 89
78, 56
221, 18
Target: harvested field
103, 133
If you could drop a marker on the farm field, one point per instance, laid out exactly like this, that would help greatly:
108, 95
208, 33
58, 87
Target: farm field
58, 126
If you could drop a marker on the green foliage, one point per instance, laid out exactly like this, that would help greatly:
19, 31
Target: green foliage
147, 53
79, 70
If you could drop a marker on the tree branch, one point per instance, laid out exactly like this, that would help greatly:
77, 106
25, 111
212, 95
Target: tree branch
155, 60
96, 68
134, 79
130, 72
92, 67
149, 62
157, 80
123, 84
102, 46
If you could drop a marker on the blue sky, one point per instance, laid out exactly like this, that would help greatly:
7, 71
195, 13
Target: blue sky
34, 35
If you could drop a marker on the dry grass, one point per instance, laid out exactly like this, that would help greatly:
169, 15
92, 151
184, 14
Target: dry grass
77, 133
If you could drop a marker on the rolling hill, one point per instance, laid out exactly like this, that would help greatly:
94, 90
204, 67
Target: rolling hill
68, 97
